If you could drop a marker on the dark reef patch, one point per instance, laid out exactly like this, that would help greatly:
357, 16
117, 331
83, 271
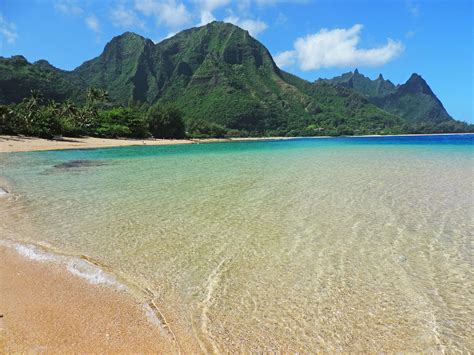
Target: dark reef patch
77, 164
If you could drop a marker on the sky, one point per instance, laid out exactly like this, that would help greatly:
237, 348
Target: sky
310, 38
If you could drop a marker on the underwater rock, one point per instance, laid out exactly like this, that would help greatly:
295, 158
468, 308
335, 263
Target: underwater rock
75, 164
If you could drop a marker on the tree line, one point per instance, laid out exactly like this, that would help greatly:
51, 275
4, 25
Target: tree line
36, 116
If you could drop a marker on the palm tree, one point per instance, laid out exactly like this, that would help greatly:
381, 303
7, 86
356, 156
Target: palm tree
31, 107
103, 96
68, 108
95, 96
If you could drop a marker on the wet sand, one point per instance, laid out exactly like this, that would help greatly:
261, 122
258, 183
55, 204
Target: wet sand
43, 308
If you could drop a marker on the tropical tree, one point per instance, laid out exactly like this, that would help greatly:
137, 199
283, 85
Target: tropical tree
166, 122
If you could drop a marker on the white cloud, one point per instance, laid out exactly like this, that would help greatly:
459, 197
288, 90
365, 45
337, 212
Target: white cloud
206, 17
7, 31
92, 22
69, 7
255, 27
169, 35
285, 59
124, 17
337, 48
169, 12
206, 7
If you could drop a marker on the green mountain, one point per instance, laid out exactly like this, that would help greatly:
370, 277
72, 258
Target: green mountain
223, 80
18, 77
414, 101
363, 85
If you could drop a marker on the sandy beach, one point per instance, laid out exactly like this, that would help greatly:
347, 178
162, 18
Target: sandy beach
10, 144
25, 144
44, 308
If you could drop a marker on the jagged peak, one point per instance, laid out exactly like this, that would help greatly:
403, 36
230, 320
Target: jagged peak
416, 77
356, 71
417, 84
19, 58
380, 77
44, 64
129, 34
224, 24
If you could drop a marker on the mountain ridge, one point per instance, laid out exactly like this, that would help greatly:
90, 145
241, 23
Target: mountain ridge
414, 100
222, 78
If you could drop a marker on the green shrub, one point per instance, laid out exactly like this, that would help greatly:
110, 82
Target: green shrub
166, 122
121, 122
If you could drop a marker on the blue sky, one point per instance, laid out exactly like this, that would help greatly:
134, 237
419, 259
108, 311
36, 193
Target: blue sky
311, 38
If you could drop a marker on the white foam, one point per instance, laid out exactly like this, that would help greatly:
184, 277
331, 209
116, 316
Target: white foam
76, 266
33, 253
152, 317
92, 273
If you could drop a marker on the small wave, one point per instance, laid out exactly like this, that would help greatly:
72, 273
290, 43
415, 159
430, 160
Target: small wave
77, 266
33, 253
3, 192
92, 273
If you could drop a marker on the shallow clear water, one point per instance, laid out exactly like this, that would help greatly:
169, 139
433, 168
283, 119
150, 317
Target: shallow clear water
329, 244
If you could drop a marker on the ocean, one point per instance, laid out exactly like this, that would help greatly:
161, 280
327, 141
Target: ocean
337, 244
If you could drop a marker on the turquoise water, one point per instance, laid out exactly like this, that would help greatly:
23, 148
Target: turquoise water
353, 244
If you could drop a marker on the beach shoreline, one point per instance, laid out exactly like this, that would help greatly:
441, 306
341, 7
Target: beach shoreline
46, 307
12, 144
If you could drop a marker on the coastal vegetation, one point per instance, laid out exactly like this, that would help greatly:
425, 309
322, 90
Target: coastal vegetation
36, 116
210, 81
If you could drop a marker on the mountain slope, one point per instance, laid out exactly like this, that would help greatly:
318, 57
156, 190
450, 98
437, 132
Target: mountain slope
414, 101
222, 79
18, 77
225, 82
362, 84
116, 68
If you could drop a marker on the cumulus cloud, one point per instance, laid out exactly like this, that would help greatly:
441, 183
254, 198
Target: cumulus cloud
7, 31
255, 27
206, 7
206, 17
285, 59
125, 17
169, 12
337, 48
69, 7
92, 22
